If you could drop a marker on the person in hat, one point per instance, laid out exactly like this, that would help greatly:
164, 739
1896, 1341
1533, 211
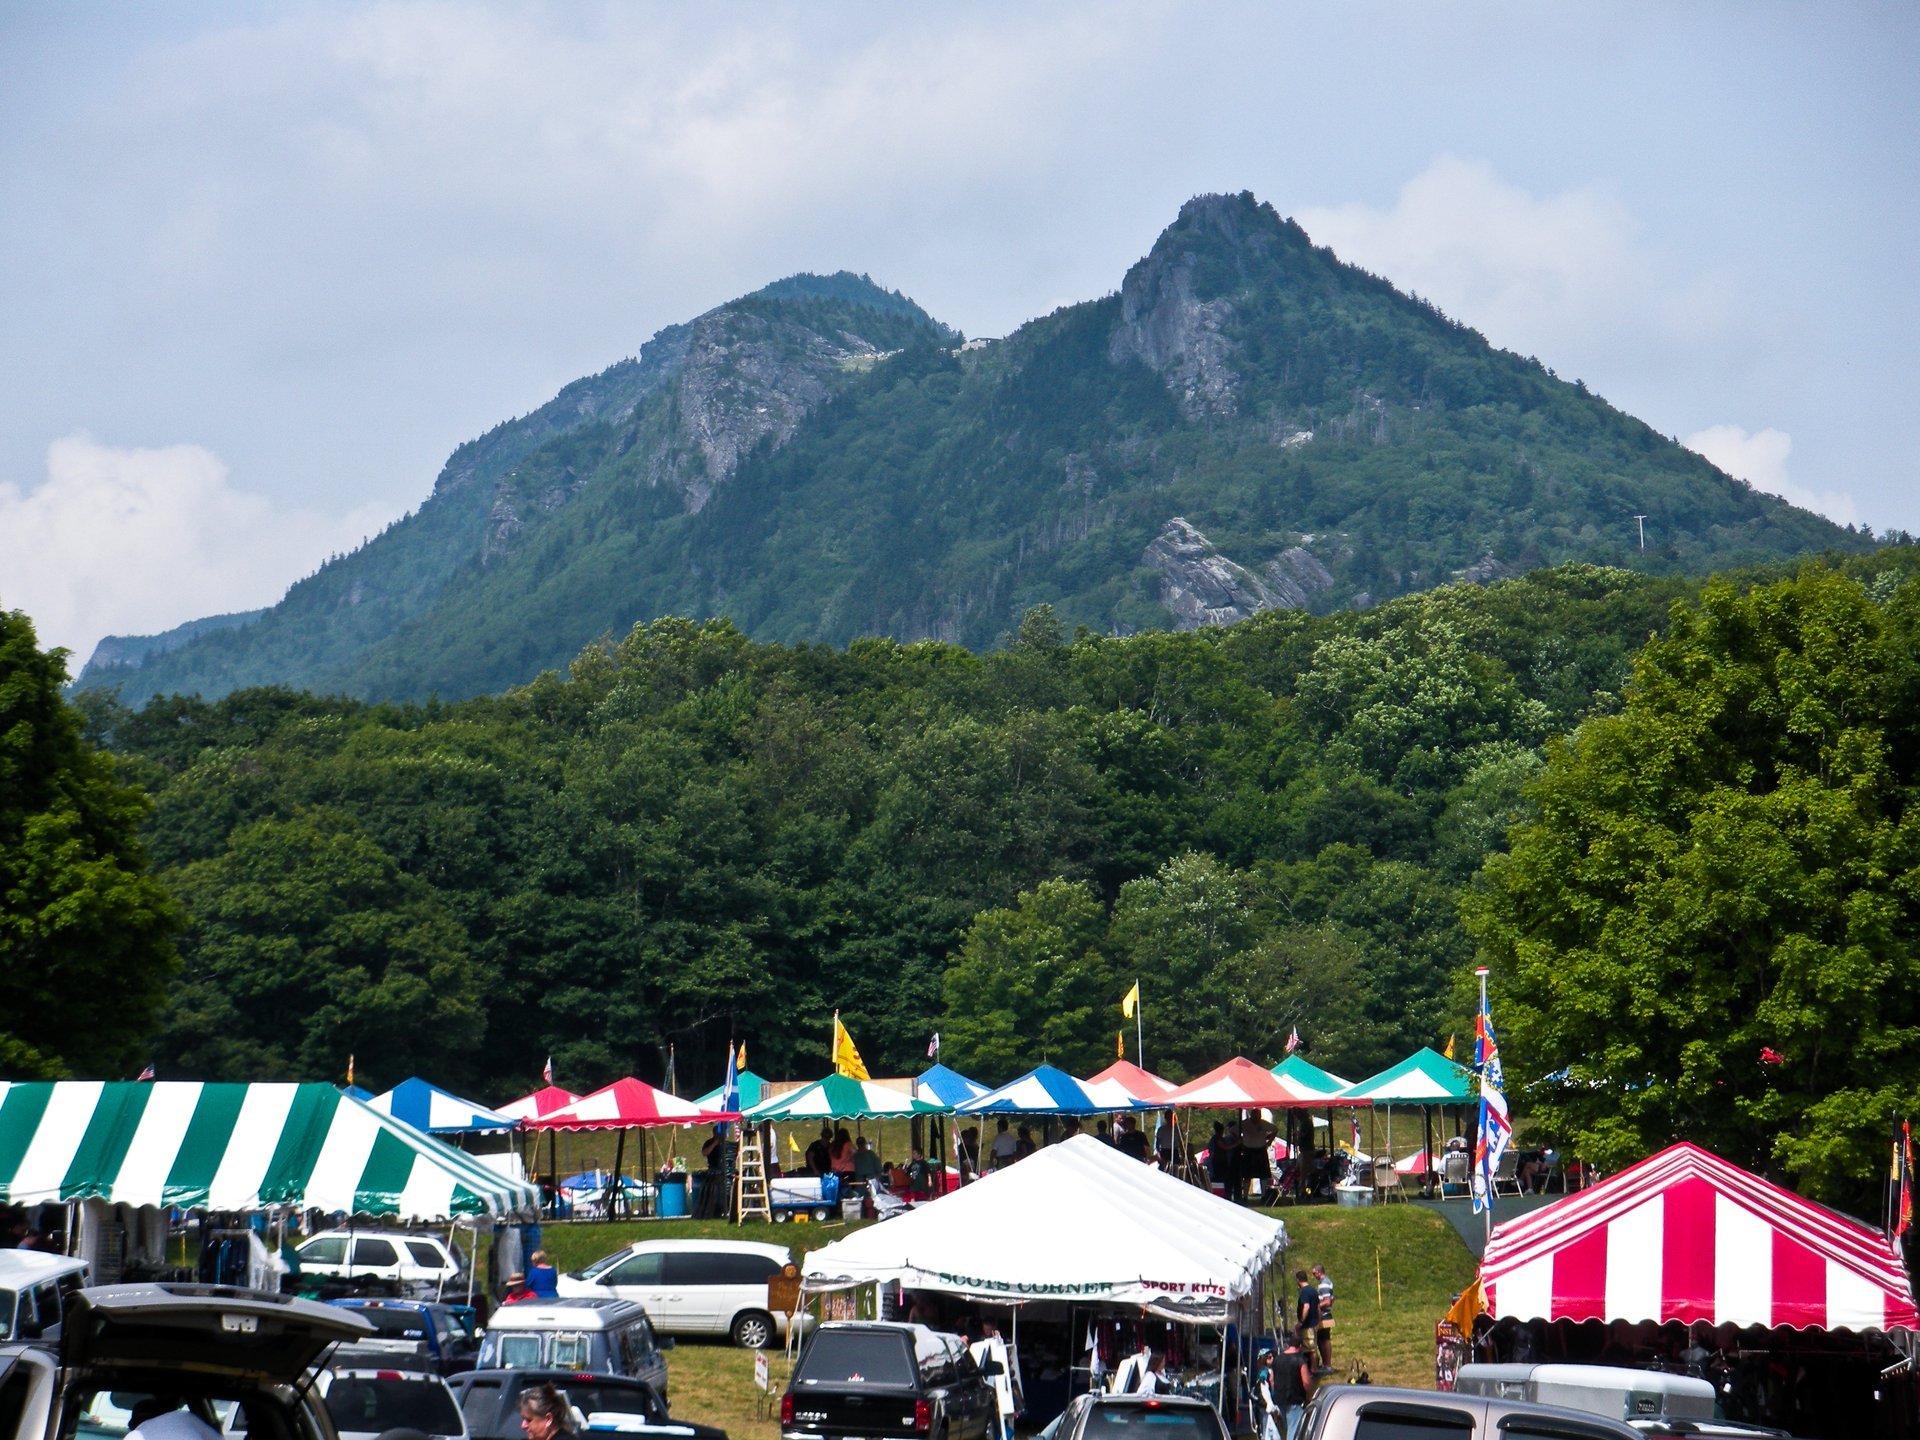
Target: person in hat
518, 1291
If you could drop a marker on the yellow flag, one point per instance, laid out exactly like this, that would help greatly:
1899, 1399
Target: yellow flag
1129, 1000
741, 1063
846, 1059
1448, 1052
1467, 1308
1120, 1045
349, 1069
793, 1144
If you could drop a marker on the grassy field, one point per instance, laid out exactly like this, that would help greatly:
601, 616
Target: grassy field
1396, 1269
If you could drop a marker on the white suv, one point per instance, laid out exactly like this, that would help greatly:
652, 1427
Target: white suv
414, 1259
693, 1287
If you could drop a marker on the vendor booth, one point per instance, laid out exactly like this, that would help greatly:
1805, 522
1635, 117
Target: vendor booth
630, 1104
1049, 1090
1141, 1084
1802, 1317
1094, 1255
1426, 1080
127, 1153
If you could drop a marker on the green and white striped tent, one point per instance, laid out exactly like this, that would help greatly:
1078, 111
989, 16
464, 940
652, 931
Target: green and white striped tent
235, 1147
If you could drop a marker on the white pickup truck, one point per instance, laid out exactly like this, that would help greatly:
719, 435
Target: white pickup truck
171, 1357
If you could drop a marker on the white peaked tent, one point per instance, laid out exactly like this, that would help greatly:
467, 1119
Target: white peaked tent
1076, 1222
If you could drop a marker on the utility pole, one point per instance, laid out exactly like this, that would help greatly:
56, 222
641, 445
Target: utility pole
1641, 520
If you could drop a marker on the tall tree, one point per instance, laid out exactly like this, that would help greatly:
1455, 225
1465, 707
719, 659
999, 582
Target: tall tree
85, 931
1714, 926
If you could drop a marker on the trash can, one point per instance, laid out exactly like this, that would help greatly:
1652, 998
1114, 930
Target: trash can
1351, 1195
671, 1198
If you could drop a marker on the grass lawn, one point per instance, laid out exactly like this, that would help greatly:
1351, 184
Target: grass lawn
1419, 1261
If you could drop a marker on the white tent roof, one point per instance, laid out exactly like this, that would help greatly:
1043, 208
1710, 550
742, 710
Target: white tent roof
1076, 1221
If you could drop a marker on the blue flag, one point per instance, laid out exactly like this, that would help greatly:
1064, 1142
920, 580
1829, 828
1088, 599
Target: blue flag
1496, 1129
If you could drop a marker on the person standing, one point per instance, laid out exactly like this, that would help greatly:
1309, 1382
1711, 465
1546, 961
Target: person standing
1006, 1146
819, 1159
1006, 1384
1306, 1309
1323, 1288
1265, 1403
544, 1413
1292, 1386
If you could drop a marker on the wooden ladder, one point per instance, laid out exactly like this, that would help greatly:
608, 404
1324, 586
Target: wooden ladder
750, 1179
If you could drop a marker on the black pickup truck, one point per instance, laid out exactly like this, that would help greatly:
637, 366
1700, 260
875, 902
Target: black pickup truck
490, 1399
877, 1380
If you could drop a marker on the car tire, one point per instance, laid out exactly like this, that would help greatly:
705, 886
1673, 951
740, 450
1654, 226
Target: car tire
753, 1330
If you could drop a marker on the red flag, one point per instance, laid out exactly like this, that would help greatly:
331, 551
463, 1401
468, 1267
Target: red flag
1771, 1056
547, 1074
1905, 1222
146, 1074
1293, 1039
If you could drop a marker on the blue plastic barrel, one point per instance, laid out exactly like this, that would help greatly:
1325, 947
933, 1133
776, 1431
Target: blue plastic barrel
670, 1198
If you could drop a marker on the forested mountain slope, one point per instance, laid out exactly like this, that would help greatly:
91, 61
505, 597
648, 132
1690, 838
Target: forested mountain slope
1247, 425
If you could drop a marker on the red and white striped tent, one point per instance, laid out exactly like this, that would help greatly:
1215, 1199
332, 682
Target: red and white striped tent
1140, 1084
1242, 1085
541, 1102
1686, 1236
627, 1104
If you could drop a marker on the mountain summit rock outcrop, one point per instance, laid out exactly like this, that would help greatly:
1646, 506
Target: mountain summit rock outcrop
1246, 424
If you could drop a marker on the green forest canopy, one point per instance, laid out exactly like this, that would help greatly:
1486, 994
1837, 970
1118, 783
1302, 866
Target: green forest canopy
691, 837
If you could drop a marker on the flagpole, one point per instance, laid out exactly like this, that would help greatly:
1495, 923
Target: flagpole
1139, 1028
1479, 1140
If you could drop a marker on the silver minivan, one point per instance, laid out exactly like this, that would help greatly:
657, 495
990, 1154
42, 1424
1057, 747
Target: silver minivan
694, 1287
1380, 1412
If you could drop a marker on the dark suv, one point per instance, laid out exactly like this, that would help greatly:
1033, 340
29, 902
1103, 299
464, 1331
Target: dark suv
883, 1380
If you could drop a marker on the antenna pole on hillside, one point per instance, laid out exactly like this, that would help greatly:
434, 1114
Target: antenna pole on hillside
1641, 520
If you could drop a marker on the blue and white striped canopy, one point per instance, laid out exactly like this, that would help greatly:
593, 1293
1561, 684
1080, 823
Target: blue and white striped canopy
426, 1106
1048, 1090
949, 1087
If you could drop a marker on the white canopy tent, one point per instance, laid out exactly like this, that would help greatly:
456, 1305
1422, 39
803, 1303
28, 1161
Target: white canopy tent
1076, 1222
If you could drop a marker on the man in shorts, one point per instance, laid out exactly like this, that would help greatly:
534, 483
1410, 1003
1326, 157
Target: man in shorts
1306, 1311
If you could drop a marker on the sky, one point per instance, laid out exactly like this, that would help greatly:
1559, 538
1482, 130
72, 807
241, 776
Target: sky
263, 267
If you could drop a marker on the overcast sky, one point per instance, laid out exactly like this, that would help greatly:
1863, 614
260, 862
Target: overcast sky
262, 268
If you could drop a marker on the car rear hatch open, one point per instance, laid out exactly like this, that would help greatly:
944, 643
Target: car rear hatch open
201, 1329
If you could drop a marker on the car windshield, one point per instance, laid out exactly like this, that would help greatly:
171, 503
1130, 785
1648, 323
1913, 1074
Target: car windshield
854, 1357
375, 1405
1141, 1421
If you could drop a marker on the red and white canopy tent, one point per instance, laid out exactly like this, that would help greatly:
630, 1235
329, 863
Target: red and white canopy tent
1685, 1236
541, 1102
1140, 1084
1240, 1084
627, 1104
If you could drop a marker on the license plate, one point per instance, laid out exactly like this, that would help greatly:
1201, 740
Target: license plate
240, 1324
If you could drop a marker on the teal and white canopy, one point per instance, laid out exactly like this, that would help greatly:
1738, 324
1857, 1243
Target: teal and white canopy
838, 1098
235, 1147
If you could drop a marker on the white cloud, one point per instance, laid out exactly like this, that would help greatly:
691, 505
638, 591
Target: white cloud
1760, 459
134, 541
1566, 277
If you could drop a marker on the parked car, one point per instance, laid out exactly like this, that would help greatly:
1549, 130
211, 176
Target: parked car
427, 1336
129, 1352
417, 1262
694, 1287
588, 1337
33, 1291
490, 1401
365, 1404
1380, 1412
885, 1378
1138, 1417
